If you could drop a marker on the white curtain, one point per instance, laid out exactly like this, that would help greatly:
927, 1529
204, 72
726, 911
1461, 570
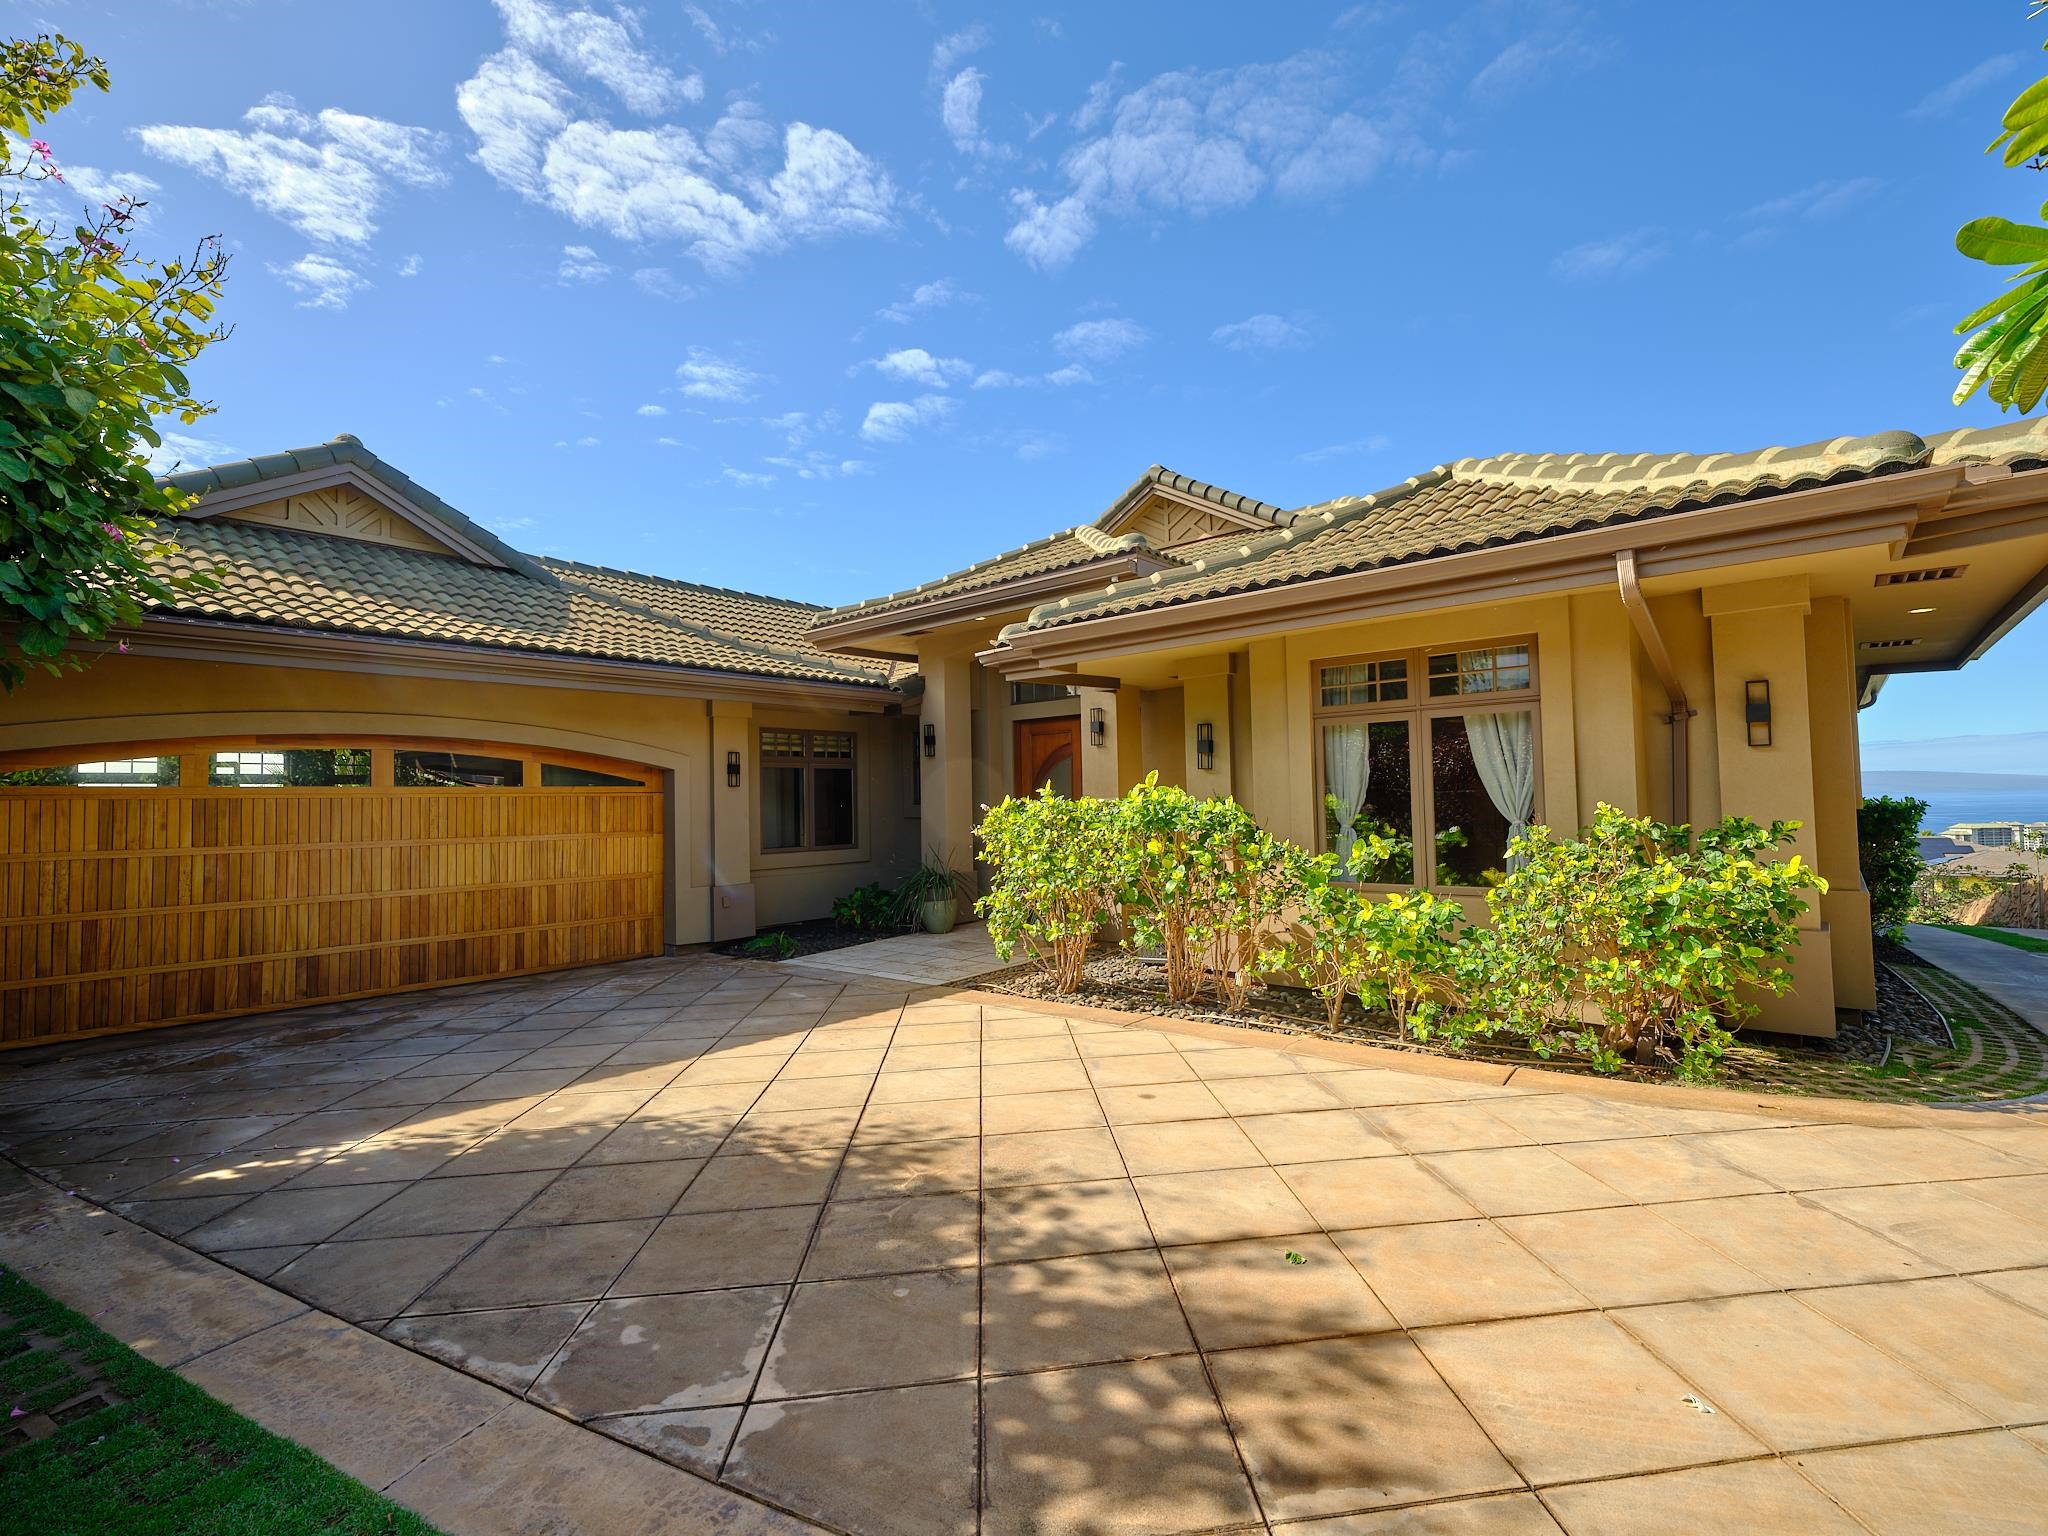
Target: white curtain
1347, 769
1504, 752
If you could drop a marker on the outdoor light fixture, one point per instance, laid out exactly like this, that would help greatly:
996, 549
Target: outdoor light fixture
1756, 711
1098, 732
931, 739
1205, 745
732, 770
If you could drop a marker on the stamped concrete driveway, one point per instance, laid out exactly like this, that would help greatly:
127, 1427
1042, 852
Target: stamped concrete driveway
908, 1261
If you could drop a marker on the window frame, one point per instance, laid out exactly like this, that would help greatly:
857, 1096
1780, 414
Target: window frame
1419, 709
808, 763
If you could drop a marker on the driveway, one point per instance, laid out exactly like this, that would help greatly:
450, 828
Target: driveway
2018, 978
913, 1261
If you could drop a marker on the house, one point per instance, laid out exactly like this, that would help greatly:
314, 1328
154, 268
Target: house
390, 751
1491, 643
1939, 850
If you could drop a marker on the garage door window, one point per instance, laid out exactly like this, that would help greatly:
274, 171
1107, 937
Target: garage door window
562, 776
134, 772
806, 790
303, 767
455, 770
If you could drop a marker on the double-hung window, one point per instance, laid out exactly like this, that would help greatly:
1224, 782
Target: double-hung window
806, 790
1426, 762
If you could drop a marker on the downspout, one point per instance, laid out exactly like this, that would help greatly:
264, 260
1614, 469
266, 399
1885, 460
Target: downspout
1681, 712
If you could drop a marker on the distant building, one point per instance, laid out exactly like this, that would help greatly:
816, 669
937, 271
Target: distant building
1999, 834
1939, 850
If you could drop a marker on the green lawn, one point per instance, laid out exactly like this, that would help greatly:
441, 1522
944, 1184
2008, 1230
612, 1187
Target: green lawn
1999, 936
160, 1458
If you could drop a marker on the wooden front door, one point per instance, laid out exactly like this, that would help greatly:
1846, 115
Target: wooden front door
1049, 752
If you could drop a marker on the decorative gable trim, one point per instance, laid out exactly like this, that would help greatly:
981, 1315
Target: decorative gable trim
1165, 519
331, 501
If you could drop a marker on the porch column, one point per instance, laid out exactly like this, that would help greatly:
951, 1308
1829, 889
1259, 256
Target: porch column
1111, 768
732, 820
947, 777
1759, 635
1837, 792
1205, 694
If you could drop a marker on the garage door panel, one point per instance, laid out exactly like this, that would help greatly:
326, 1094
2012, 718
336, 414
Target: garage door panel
121, 908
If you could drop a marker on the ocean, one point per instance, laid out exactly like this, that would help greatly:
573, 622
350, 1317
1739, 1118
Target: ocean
1947, 807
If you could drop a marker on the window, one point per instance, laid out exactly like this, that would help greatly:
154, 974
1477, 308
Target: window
304, 767
1042, 693
134, 772
806, 790
455, 770
562, 776
1452, 772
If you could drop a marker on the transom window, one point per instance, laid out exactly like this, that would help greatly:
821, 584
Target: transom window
1451, 773
806, 790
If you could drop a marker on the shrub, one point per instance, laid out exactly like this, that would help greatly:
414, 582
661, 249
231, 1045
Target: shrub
1198, 879
1396, 953
1888, 849
1636, 935
1056, 864
867, 907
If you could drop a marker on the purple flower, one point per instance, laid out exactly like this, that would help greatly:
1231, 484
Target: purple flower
40, 146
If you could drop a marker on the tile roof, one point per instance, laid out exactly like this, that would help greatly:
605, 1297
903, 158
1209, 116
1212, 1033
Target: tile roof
300, 580
1510, 498
1159, 476
1070, 547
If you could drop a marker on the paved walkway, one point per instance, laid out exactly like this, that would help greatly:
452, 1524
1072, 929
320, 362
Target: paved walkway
906, 1261
2018, 978
925, 959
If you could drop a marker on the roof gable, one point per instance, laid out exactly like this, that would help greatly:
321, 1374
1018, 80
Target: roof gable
339, 489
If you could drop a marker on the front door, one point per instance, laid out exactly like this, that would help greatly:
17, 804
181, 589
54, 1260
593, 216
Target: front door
1049, 752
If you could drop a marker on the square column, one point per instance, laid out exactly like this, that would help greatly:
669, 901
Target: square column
1205, 702
946, 778
732, 820
1759, 635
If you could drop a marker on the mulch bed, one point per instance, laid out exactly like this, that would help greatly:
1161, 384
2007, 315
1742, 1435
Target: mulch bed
812, 938
1902, 1051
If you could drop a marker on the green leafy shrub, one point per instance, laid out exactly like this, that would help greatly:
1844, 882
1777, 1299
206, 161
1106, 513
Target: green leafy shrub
868, 907
1197, 880
1636, 937
775, 944
1398, 952
1056, 866
1888, 849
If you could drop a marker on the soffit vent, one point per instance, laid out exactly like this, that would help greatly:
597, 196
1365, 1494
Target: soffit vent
1888, 645
1909, 578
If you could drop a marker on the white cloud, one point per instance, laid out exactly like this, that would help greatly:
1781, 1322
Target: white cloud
960, 111
600, 48
1944, 99
1822, 200
651, 410
1200, 142
746, 477
707, 376
914, 365
1620, 256
182, 450
325, 282
940, 293
1100, 341
892, 421
410, 267
326, 175
954, 47
744, 188
724, 40
815, 465
669, 442
1542, 56
1059, 378
1376, 443
662, 283
581, 264
1261, 333
90, 185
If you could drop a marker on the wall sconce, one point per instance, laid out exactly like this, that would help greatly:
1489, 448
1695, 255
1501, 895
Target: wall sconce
931, 739
1098, 730
1756, 711
732, 770
1205, 745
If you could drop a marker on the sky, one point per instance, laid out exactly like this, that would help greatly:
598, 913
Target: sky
826, 300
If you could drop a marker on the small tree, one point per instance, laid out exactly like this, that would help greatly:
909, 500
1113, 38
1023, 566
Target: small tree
1636, 933
1888, 850
93, 341
1321, 945
1195, 882
1055, 864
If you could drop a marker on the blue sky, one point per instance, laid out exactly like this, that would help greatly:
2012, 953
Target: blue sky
825, 300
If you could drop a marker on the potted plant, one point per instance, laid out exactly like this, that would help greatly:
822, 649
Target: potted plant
930, 894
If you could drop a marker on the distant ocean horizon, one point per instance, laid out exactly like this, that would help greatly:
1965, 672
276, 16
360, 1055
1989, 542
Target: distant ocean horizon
1945, 808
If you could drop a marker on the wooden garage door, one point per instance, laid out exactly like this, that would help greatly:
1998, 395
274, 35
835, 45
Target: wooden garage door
128, 906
